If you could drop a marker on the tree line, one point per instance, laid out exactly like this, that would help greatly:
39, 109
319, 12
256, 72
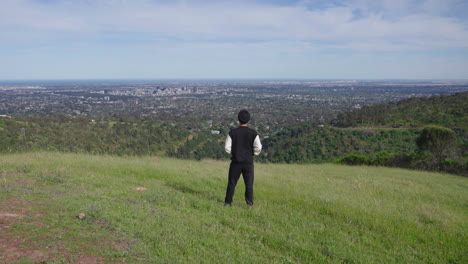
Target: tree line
143, 137
346, 140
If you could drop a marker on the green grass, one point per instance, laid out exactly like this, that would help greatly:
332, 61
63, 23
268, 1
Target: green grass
303, 213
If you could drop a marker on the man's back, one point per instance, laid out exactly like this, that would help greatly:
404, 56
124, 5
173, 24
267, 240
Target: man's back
244, 144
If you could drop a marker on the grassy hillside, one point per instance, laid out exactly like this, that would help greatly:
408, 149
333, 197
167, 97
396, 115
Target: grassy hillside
302, 214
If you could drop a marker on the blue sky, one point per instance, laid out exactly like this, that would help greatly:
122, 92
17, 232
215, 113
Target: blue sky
309, 39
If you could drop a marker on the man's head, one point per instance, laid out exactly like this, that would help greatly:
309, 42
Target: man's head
244, 117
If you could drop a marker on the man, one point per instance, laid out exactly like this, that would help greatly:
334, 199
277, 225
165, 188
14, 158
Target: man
242, 143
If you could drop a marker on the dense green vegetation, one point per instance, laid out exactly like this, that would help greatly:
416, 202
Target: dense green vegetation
84, 135
297, 144
442, 110
371, 136
440, 141
381, 147
309, 143
321, 213
374, 135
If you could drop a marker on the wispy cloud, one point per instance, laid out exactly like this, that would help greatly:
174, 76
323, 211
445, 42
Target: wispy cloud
277, 27
388, 20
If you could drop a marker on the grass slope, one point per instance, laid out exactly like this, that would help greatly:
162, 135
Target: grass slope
302, 214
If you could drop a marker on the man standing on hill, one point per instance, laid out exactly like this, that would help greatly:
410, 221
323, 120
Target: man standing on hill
242, 143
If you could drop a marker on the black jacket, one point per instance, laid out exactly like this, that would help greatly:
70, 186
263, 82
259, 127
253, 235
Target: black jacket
242, 146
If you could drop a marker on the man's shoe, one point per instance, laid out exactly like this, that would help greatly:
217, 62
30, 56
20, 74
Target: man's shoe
227, 204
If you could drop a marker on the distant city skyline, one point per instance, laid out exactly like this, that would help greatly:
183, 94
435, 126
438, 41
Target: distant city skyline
217, 39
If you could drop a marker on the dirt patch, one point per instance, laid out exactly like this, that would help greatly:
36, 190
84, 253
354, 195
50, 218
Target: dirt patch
6, 215
14, 247
11, 253
18, 215
139, 188
14, 206
88, 260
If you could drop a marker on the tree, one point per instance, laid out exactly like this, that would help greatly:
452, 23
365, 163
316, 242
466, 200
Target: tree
440, 141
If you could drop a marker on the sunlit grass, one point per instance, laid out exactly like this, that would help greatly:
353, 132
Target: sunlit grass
303, 213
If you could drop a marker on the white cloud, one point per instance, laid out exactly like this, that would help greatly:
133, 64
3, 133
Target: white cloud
228, 22
243, 36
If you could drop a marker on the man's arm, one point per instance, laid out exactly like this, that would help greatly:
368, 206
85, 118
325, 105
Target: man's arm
228, 144
257, 145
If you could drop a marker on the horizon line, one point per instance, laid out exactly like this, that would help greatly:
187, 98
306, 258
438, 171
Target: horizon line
258, 79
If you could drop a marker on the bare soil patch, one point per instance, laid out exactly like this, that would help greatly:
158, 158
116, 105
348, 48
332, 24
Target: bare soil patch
139, 188
14, 247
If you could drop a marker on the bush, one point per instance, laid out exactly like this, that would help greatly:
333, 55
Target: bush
453, 166
383, 158
355, 159
440, 141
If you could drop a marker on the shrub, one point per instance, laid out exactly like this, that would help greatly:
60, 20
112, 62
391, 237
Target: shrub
355, 159
383, 158
453, 166
440, 141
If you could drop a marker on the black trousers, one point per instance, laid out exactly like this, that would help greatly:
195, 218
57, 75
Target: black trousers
235, 170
